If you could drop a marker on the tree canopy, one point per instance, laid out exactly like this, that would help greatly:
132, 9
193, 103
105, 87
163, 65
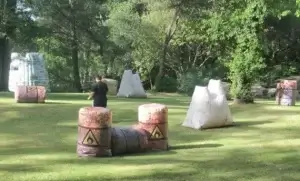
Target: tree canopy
173, 44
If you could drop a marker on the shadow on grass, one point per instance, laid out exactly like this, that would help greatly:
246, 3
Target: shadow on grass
172, 150
226, 165
55, 103
186, 147
250, 123
242, 124
16, 168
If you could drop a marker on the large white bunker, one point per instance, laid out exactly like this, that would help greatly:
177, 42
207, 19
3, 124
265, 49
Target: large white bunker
29, 70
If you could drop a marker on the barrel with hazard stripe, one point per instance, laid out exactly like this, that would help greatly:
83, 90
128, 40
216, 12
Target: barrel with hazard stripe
288, 92
154, 119
94, 132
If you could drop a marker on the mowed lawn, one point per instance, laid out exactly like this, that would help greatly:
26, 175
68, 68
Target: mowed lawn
38, 143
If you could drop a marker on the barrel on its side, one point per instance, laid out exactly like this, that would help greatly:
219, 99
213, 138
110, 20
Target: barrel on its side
287, 93
128, 140
94, 132
30, 94
154, 119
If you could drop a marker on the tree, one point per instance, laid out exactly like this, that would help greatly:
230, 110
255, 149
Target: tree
72, 22
7, 33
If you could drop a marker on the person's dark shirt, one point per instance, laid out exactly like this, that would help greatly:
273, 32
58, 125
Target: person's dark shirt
100, 90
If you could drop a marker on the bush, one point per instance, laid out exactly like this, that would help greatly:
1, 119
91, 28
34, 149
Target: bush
168, 84
188, 81
241, 90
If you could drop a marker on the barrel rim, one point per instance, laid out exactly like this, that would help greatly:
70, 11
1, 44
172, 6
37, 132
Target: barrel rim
153, 105
95, 128
103, 109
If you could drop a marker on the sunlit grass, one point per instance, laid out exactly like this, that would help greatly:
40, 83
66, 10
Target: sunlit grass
38, 143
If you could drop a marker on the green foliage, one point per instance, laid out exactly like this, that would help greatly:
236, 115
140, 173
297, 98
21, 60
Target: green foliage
298, 8
243, 54
234, 40
245, 68
123, 24
168, 84
188, 81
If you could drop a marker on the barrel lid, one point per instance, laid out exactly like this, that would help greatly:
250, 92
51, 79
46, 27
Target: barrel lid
96, 109
153, 105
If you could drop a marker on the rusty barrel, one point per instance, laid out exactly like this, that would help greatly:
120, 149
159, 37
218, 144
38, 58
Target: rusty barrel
154, 119
94, 132
30, 94
287, 93
128, 140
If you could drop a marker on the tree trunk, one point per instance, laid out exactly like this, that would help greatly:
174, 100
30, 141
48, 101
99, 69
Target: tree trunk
105, 64
74, 51
169, 35
150, 81
4, 63
75, 61
8, 8
161, 67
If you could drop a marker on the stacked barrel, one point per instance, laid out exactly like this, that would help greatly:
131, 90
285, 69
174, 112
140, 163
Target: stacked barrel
94, 132
286, 93
30, 94
154, 119
96, 137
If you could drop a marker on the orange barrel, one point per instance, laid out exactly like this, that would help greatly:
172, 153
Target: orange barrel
154, 119
289, 93
94, 132
30, 94
128, 140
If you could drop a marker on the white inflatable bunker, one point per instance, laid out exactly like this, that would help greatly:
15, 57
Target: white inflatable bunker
131, 85
208, 108
29, 70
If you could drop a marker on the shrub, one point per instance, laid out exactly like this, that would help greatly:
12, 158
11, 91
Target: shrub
188, 81
168, 84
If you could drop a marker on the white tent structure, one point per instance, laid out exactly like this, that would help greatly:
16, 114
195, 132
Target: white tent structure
131, 85
208, 108
29, 70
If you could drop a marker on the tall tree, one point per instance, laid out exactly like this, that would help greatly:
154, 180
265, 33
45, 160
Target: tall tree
7, 33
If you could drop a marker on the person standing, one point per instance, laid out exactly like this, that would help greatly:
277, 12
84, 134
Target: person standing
99, 92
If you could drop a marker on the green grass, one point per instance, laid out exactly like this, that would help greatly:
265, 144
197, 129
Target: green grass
38, 143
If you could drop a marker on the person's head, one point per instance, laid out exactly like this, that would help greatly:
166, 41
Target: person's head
98, 78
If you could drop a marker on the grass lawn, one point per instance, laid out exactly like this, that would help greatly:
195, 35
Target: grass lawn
38, 143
